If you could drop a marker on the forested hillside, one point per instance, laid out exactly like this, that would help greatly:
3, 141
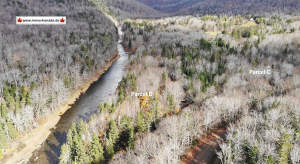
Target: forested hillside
169, 6
259, 7
123, 9
40, 66
199, 70
213, 58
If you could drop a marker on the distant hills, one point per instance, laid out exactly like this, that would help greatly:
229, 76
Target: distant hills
123, 9
169, 6
185, 7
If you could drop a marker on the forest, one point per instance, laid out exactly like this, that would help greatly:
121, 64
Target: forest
40, 66
198, 69
196, 57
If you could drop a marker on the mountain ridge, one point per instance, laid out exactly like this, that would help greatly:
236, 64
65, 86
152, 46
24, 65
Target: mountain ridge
186, 7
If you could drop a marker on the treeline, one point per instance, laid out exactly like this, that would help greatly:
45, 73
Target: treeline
264, 7
41, 65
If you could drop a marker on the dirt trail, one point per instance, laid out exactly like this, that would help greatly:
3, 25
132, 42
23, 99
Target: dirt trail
21, 150
205, 150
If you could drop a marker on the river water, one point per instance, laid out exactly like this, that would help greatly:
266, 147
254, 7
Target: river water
84, 107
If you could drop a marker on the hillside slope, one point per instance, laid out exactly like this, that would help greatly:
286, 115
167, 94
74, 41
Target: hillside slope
218, 62
200, 73
123, 9
41, 66
169, 6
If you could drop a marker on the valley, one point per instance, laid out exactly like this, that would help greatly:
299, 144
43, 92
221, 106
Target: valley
146, 81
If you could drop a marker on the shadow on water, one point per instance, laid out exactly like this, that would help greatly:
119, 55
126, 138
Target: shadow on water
52, 156
84, 107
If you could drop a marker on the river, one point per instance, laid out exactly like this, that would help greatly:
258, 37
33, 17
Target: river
84, 107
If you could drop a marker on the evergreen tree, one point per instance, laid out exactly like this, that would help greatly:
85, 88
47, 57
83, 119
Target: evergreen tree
28, 99
1, 155
13, 90
130, 134
64, 157
6, 92
102, 107
71, 133
126, 139
11, 102
112, 108
96, 150
171, 102
157, 113
124, 122
236, 34
270, 160
3, 110
109, 148
3, 137
23, 95
12, 131
284, 150
150, 119
121, 95
79, 153
141, 122
113, 132
205, 44
17, 104
251, 153
77, 147
111, 140
82, 128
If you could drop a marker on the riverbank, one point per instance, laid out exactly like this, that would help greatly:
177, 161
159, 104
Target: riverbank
22, 149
